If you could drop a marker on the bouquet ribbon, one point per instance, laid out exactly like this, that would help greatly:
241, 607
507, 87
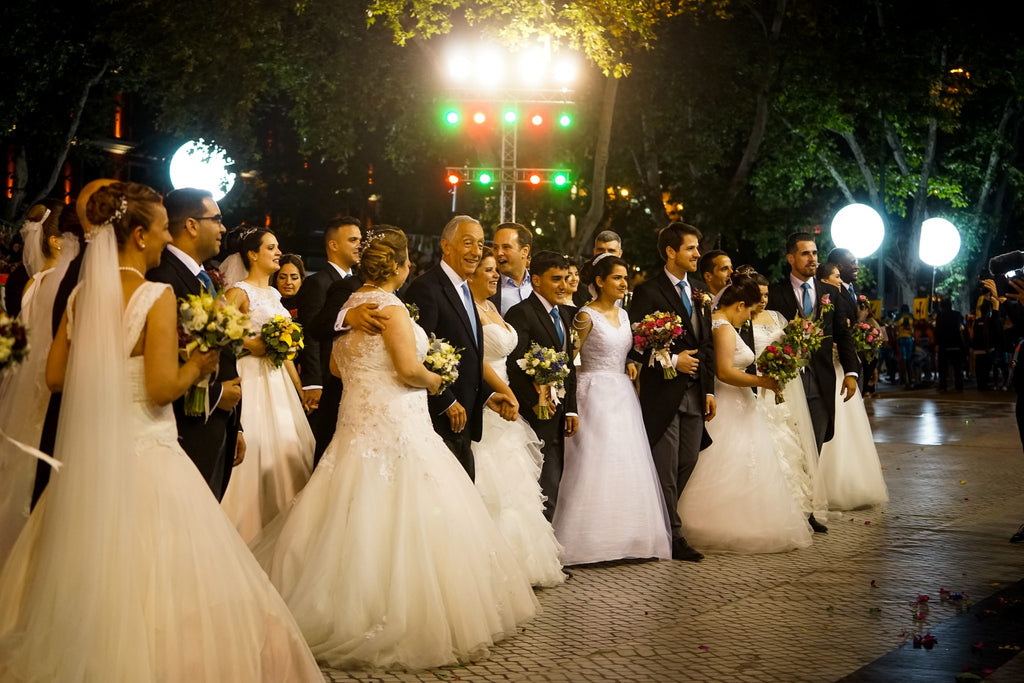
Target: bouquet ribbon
547, 395
34, 452
665, 359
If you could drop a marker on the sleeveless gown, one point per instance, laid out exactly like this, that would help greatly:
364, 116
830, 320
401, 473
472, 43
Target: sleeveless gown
508, 460
792, 432
24, 397
737, 499
610, 504
849, 462
388, 557
210, 612
279, 443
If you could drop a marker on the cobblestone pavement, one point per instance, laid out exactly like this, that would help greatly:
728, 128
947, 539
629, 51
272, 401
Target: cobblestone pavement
953, 471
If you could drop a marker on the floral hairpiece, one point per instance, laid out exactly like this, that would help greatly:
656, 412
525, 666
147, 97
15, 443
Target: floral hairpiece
371, 237
122, 209
245, 232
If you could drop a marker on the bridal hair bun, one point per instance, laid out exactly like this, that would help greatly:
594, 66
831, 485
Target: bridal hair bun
122, 206
742, 288
383, 250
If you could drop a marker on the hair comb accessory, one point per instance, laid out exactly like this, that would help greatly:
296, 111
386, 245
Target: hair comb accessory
121, 211
245, 232
599, 257
371, 237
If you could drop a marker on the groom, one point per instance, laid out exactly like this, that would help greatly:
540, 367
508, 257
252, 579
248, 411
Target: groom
675, 409
800, 295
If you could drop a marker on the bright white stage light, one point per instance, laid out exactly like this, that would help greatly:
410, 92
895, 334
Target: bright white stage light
460, 68
859, 228
532, 62
204, 166
940, 242
490, 67
564, 70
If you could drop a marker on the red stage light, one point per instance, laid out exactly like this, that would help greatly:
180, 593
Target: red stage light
535, 179
454, 179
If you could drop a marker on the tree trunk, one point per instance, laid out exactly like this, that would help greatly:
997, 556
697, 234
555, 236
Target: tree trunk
592, 219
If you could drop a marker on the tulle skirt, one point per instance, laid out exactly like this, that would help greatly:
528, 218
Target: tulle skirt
849, 462
737, 499
209, 612
508, 461
610, 504
388, 557
278, 447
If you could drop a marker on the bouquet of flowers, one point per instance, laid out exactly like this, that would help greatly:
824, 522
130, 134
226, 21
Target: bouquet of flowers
283, 338
208, 322
414, 311
656, 332
443, 358
548, 368
781, 363
13, 342
803, 334
867, 339
826, 304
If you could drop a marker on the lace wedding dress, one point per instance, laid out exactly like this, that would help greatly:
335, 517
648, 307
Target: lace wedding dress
738, 499
849, 462
388, 557
610, 504
790, 426
183, 599
508, 460
279, 443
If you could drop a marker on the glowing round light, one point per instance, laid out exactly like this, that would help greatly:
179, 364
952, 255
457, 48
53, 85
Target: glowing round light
534, 179
459, 67
940, 242
454, 179
624, 192
452, 117
485, 178
490, 68
560, 179
564, 120
479, 117
202, 165
564, 71
510, 116
537, 119
531, 65
859, 228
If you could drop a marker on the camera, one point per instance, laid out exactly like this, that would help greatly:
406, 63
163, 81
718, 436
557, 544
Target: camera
1006, 267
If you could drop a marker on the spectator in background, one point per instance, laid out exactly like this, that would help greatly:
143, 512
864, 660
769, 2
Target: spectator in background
905, 344
289, 279
950, 338
608, 242
986, 336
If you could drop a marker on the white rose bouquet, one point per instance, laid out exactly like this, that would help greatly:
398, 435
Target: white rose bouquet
443, 358
548, 368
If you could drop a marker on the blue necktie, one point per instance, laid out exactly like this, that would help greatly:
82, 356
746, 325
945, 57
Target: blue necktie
204, 277
685, 293
467, 300
808, 305
558, 325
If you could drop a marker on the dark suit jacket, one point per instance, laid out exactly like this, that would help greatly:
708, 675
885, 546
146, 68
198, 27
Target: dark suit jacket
534, 324
13, 290
205, 442
660, 398
314, 359
443, 313
782, 298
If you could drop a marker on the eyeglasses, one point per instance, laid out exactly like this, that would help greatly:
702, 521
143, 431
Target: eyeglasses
219, 218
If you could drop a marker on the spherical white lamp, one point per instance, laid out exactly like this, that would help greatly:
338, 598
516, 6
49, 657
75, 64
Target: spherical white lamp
940, 242
859, 228
202, 165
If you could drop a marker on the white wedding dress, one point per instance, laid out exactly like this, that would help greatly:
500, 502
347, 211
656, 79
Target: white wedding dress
388, 557
24, 397
508, 460
790, 426
195, 606
849, 462
610, 504
279, 443
738, 499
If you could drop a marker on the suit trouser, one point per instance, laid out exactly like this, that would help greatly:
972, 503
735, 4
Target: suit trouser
324, 419
552, 433
675, 456
461, 446
819, 409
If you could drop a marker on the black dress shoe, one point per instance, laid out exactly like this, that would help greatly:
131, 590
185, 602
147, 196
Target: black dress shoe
1019, 536
817, 526
681, 550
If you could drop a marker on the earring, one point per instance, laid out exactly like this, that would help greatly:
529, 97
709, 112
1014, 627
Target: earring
142, 245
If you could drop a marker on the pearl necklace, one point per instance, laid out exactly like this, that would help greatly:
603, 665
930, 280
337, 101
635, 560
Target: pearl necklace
132, 270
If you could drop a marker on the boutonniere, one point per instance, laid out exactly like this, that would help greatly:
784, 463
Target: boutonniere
414, 311
861, 299
701, 298
574, 338
826, 304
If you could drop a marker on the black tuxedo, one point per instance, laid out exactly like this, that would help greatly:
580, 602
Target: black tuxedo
314, 359
321, 328
534, 324
209, 443
14, 288
443, 313
820, 380
673, 409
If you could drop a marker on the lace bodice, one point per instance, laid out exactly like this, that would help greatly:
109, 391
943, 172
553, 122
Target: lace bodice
499, 341
770, 333
362, 358
264, 303
742, 355
606, 347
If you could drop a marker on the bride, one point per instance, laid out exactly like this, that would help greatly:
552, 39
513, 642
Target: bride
388, 557
127, 569
278, 440
737, 499
508, 455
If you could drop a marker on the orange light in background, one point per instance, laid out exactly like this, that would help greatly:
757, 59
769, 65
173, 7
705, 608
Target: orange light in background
10, 172
479, 117
118, 112
534, 179
537, 119
266, 221
66, 172
454, 179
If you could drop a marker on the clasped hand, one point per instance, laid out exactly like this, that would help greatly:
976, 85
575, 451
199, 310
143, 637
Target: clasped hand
687, 362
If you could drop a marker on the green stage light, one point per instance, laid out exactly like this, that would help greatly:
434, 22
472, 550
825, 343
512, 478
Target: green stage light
564, 120
485, 178
452, 117
560, 179
510, 116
